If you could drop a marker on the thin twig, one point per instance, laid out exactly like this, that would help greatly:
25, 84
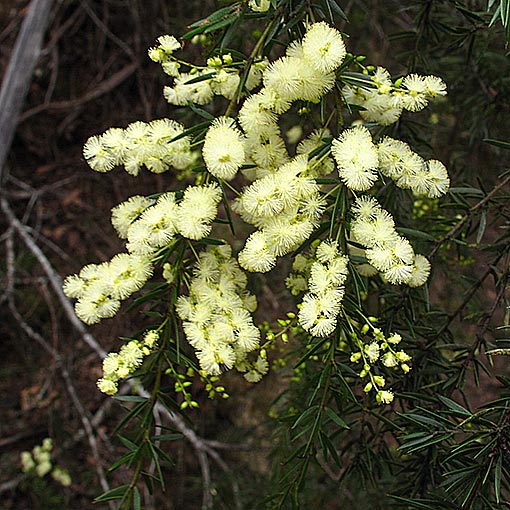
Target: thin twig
103, 88
53, 278
468, 215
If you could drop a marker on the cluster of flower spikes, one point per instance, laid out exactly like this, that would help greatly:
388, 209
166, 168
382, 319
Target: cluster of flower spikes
321, 304
358, 160
385, 101
117, 366
158, 145
306, 72
380, 349
220, 77
285, 207
283, 202
148, 225
217, 318
387, 252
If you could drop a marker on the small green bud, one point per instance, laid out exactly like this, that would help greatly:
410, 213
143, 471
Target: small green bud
365, 329
368, 387
355, 357
379, 380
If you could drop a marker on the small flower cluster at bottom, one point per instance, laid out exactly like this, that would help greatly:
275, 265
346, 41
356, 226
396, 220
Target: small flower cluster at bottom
38, 461
119, 365
380, 348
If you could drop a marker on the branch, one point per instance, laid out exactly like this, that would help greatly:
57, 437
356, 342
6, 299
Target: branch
19, 72
468, 215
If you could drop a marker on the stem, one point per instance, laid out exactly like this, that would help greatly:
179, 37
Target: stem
249, 62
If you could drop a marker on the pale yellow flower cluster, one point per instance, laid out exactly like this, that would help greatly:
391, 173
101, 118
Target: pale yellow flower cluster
321, 305
220, 77
358, 160
386, 251
117, 366
100, 288
385, 101
216, 314
157, 145
259, 5
285, 207
38, 461
409, 171
148, 225
307, 73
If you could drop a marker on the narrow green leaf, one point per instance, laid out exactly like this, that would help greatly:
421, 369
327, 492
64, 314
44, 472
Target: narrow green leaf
116, 493
481, 227
326, 180
467, 190
307, 414
420, 444
497, 143
319, 151
123, 460
422, 420
497, 477
310, 352
132, 414
202, 77
127, 443
200, 111
220, 24
328, 447
416, 234
427, 504
189, 131
335, 418
137, 505
213, 17
211, 241
357, 79
130, 398
334, 5
168, 437
470, 14
453, 406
